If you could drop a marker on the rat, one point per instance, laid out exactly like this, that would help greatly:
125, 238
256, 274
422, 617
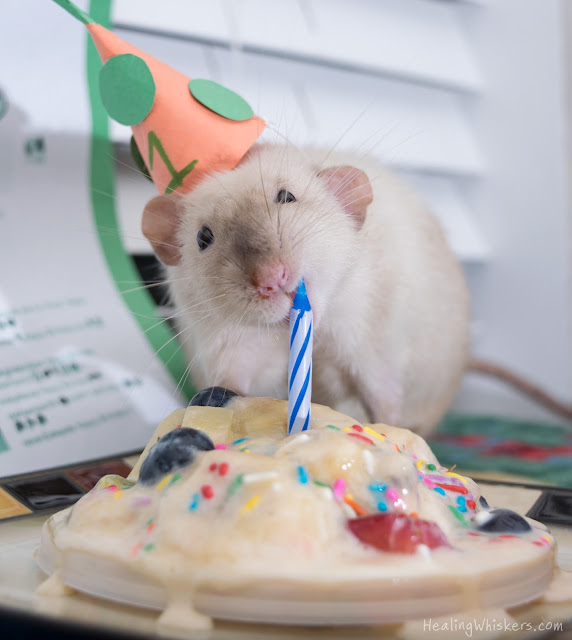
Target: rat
389, 299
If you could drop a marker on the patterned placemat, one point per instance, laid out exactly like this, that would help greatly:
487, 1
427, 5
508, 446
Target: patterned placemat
536, 450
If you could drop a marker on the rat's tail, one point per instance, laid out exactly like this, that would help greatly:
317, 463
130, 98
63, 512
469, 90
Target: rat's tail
528, 388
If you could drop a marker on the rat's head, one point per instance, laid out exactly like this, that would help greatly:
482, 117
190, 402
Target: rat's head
242, 240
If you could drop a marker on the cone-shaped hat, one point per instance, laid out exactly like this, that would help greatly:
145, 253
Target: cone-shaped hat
185, 129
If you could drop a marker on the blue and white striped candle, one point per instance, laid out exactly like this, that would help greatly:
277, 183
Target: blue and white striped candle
300, 363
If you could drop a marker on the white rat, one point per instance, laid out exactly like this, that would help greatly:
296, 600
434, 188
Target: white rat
390, 304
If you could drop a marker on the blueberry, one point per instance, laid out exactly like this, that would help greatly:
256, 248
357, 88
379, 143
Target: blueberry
212, 397
501, 521
175, 450
484, 504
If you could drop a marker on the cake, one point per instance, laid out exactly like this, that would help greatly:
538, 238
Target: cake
226, 516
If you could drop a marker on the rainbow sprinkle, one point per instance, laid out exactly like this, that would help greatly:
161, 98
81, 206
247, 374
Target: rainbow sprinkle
392, 494
302, 475
249, 505
339, 488
235, 486
460, 517
194, 502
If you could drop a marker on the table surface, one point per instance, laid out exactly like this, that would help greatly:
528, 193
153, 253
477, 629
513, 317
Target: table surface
19, 577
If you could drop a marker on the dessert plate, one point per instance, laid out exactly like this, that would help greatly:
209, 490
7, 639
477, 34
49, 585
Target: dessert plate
358, 599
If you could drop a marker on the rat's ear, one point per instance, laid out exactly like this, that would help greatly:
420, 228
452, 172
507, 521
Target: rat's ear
352, 189
160, 224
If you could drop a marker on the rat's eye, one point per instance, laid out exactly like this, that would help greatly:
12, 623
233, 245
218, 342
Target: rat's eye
204, 238
284, 196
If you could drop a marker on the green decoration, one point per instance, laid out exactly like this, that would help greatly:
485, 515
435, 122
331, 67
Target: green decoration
178, 176
76, 12
220, 100
102, 191
138, 159
127, 88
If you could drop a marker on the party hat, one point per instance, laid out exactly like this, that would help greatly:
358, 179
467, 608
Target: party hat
184, 129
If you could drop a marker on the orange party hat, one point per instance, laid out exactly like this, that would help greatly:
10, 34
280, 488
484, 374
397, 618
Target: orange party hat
184, 129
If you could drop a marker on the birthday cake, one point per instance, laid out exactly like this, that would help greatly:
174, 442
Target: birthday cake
225, 515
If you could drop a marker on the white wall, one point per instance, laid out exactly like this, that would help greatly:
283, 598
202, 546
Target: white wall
521, 297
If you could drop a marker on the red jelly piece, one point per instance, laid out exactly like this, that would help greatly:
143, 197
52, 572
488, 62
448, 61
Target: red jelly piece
223, 468
471, 504
207, 491
397, 532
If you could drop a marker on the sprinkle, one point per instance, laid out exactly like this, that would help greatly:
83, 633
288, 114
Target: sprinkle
234, 487
360, 511
245, 449
456, 475
504, 536
112, 487
319, 483
222, 445
175, 478
461, 502
368, 459
430, 484
431, 467
331, 426
358, 436
259, 477
537, 543
414, 514
248, 506
339, 488
240, 440
546, 539
397, 448
373, 433
164, 482
357, 427
213, 466
392, 494
471, 504
377, 486
150, 526
452, 487
194, 502
223, 469
419, 463
149, 547
302, 475
136, 549
439, 490
142, 501
117, 494
460, 517
381, 506
207, 491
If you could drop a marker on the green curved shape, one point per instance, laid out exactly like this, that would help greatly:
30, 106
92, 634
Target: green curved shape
76, 12
127, 88
219, 99
102, 190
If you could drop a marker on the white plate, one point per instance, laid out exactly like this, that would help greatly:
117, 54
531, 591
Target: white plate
359, 601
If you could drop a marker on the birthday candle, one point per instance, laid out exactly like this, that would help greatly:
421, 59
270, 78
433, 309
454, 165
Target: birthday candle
300, 363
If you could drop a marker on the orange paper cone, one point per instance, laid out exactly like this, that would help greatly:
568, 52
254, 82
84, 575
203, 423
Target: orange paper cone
185, 130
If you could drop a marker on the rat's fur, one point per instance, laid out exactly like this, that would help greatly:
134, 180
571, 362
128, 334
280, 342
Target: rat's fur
391, 318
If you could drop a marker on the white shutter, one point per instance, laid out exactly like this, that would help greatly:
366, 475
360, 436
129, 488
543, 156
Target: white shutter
390, 78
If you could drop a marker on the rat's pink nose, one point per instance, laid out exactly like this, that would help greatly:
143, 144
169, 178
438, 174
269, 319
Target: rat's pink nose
270, 279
